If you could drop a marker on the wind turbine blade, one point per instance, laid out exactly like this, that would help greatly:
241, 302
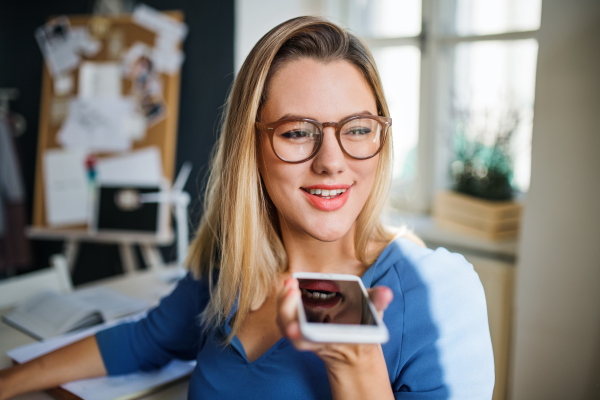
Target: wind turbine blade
158, 197
182, 177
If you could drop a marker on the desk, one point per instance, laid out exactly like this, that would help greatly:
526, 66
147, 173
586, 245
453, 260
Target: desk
141, 284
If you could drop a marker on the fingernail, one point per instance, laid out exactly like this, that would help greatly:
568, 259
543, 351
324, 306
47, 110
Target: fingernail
290, 282
293, 331
290, 291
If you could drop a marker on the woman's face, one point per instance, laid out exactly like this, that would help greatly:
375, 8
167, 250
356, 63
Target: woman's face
328, 92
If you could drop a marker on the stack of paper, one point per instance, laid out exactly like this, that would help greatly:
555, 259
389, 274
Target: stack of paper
49, 314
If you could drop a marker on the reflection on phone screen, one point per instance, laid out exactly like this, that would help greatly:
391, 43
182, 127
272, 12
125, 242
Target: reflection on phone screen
335, 302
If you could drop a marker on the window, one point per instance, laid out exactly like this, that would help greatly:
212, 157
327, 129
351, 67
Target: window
438, 60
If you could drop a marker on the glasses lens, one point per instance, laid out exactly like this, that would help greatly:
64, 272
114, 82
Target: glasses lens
361, 137
296, 140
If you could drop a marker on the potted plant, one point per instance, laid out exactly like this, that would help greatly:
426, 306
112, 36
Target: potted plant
480, 201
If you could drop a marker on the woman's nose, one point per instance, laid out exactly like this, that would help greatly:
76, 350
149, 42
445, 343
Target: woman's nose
330, 159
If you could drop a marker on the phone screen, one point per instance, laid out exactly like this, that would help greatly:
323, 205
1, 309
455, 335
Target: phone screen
335, 302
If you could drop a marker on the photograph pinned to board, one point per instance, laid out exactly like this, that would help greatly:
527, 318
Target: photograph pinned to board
62, 45
146, 83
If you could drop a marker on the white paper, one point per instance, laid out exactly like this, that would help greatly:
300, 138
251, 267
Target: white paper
63, 85
135, 126
62, 45
111, 304
97, 124
99, 79
166, 55
66, 187
160, 23
60, 55
167, 59
84, 43
105, 387
49, 314
114, 387
141, 167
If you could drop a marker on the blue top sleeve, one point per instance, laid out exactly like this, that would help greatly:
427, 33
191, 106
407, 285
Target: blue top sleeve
446, 349
171, 330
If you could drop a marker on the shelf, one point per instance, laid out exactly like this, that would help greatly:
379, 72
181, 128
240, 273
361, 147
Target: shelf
84, 235
424, 226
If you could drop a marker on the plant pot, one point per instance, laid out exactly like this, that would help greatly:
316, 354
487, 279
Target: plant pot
493, 220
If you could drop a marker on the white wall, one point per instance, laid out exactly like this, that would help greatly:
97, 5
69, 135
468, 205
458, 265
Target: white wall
556, 343
254, 18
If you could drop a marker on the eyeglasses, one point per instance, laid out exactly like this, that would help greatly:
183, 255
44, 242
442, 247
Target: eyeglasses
296, 140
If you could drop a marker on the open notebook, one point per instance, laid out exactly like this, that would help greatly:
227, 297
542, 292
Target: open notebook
50, 314
122, 387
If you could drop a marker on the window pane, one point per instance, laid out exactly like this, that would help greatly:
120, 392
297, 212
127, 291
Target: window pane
494, 84
399, 68
480, 17
386, 18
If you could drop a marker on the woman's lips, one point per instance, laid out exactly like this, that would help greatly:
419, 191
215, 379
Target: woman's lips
328, 204
320, 286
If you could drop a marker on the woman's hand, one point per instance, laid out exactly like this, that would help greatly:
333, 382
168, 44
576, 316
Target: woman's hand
354, 370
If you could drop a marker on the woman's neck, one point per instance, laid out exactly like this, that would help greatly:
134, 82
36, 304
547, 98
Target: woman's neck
307, 254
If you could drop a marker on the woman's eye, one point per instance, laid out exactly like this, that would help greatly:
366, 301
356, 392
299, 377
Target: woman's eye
297, 134
358, 131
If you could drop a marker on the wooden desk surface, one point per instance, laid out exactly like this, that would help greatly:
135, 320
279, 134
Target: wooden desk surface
141, 284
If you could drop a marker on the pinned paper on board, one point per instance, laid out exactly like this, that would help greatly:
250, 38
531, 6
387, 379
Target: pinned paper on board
66, 187
166, 54
62, 45
141, 167
159, 23
108, 78
97, 124
99, 79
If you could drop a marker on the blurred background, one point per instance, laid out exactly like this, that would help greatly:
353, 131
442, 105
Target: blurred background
496, 115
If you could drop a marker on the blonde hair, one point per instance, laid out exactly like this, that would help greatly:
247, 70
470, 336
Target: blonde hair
238, 233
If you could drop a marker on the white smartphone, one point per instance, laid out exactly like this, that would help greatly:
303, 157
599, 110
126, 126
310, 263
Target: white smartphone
335, 308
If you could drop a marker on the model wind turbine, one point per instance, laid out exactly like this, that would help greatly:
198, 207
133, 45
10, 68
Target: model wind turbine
180, 201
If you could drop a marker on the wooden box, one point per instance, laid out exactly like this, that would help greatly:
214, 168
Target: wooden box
494, 220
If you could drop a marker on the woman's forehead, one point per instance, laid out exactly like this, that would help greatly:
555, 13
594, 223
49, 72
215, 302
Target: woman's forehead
322, 91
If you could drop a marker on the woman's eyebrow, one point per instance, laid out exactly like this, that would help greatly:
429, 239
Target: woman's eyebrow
296, 116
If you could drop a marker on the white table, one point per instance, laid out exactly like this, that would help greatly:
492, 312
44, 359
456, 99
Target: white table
141, 284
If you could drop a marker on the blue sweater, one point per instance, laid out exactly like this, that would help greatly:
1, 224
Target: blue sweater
439, 345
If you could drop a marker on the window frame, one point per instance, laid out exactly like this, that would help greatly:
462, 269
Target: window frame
436, 42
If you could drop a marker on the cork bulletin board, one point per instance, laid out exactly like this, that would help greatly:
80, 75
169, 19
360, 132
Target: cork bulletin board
163, 134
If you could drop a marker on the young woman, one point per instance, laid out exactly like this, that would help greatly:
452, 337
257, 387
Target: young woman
298, 181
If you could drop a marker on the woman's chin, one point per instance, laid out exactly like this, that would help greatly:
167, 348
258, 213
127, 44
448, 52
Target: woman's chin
328, 235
